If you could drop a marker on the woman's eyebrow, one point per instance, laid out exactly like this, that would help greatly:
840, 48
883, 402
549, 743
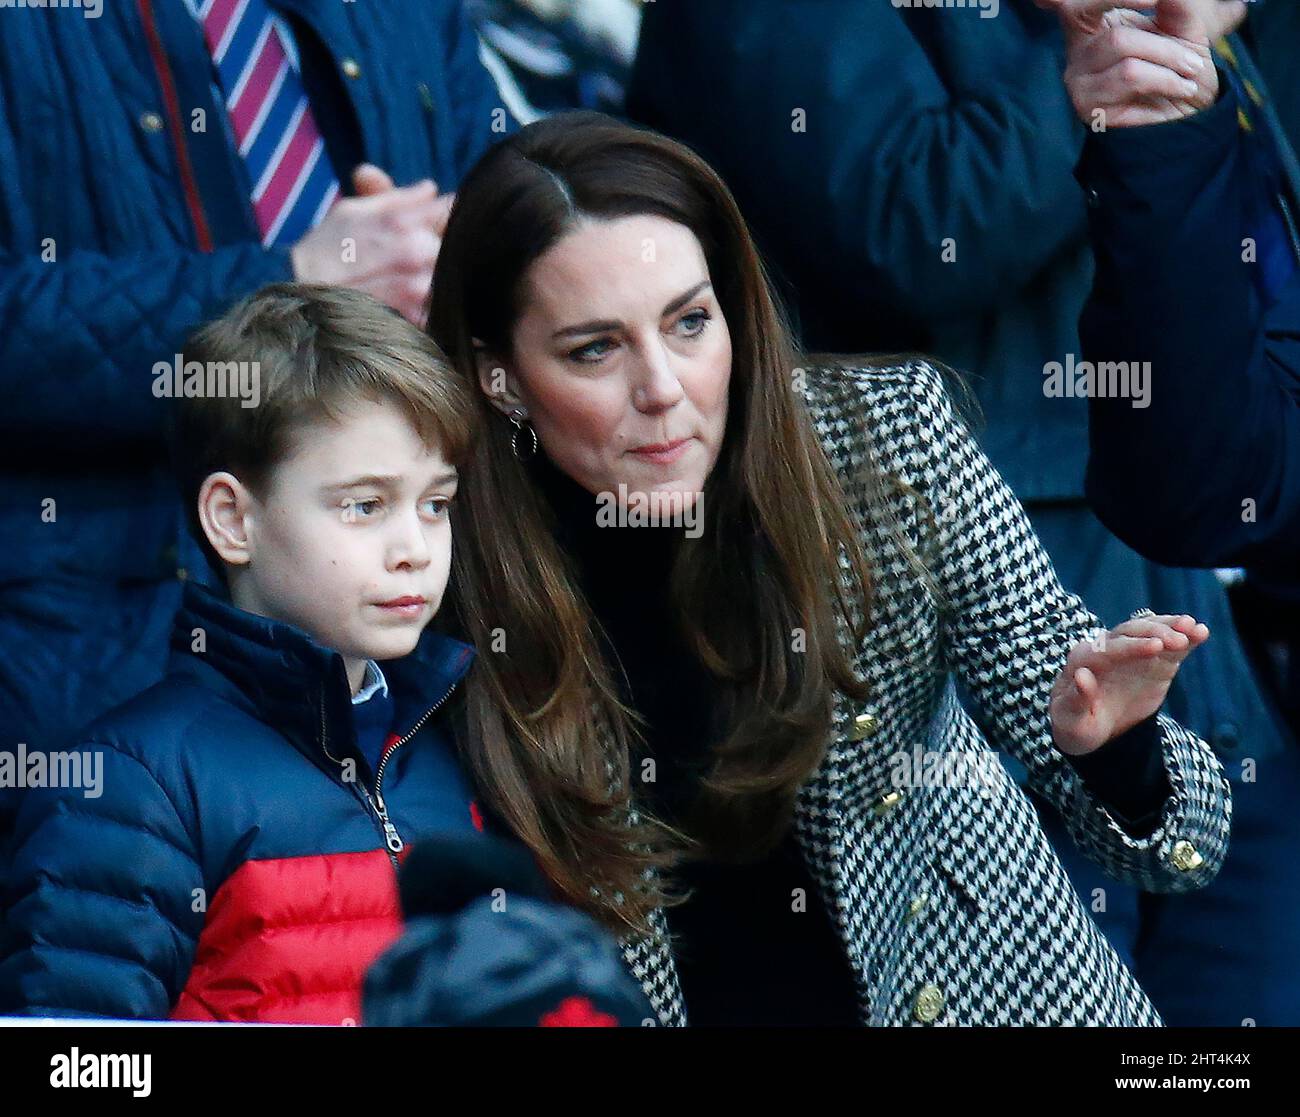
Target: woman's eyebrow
683, 299
606, 326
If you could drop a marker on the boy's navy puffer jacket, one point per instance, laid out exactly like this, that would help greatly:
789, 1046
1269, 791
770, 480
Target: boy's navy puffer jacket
235, 864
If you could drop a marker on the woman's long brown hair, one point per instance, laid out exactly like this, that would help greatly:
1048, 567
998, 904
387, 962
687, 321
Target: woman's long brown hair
757, 595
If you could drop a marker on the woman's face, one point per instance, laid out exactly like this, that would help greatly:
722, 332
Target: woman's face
621, 359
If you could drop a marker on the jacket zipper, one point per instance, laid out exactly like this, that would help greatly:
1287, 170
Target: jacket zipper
391, 836
374, 804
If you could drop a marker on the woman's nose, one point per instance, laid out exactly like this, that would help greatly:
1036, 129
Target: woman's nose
658, 386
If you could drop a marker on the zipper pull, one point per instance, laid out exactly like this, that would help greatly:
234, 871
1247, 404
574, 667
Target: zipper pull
394, 839
391, 836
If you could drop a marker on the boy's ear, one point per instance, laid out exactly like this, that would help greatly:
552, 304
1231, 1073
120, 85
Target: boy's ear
224, 507
497, 380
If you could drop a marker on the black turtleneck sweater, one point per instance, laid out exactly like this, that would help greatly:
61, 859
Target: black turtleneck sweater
743, 955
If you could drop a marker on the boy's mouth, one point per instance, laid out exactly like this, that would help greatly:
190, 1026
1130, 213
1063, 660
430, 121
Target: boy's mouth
409, 606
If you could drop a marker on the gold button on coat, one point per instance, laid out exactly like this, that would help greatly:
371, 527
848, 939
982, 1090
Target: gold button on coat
886, 803
928, 1004
916, 906
351, 68
864, 725
151, 122
1185, 856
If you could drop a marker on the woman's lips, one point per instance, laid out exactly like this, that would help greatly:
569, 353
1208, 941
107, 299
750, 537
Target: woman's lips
662, 453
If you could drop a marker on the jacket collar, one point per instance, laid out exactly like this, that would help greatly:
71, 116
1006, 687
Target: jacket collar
297, 686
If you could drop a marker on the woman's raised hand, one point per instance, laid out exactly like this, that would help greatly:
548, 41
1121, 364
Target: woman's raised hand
1118, 679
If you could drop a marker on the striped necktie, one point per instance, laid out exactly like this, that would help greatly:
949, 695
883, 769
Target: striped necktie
1224, 50
1274, 226
293, 182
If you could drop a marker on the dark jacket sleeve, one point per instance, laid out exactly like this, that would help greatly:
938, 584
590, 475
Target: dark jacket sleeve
101, 899
1209, 473
79, 337
881, 136
80, 333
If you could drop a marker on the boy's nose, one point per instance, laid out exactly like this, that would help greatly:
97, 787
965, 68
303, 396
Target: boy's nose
410, 548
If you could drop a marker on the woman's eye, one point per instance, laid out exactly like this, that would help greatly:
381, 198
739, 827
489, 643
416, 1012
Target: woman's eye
695, 323
592, 352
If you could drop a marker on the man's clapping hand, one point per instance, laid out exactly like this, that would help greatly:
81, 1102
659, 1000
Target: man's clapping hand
1133, 62
384, 241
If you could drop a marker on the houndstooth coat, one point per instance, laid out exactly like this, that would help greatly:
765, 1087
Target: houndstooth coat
950, 904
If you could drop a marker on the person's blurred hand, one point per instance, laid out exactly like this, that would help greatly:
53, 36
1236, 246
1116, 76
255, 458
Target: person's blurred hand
384, 241
1221, 17
1134, 62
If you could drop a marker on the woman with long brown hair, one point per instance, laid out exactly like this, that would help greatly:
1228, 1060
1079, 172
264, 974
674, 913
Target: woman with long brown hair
719, 589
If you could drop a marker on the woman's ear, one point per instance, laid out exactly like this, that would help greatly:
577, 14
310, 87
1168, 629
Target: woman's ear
225, 507
496, 380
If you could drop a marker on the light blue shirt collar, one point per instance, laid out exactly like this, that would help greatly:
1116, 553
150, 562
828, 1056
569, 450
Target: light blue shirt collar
372, 683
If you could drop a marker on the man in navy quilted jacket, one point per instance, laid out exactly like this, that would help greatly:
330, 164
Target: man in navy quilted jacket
232, 854
160, 159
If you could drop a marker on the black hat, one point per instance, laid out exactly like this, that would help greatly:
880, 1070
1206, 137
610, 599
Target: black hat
487, 945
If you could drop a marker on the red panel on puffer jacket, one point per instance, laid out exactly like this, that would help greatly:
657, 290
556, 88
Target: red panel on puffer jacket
288, 941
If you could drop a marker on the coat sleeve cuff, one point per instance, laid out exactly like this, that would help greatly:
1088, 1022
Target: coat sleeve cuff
1128, 774
1196, 144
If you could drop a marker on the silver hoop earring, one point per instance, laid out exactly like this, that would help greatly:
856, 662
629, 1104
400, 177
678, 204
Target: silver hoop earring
518, 418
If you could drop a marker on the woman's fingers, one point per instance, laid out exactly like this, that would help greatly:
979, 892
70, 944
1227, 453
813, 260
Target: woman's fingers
1171, 637
1162, 624
1085, 683
1113, 649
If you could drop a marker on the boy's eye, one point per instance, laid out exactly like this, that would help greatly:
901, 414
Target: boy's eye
361, 509
436, 506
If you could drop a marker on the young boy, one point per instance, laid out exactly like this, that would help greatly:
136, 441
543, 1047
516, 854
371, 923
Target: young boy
236, 861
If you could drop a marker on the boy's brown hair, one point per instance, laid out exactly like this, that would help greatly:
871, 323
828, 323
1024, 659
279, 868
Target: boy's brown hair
313, 349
